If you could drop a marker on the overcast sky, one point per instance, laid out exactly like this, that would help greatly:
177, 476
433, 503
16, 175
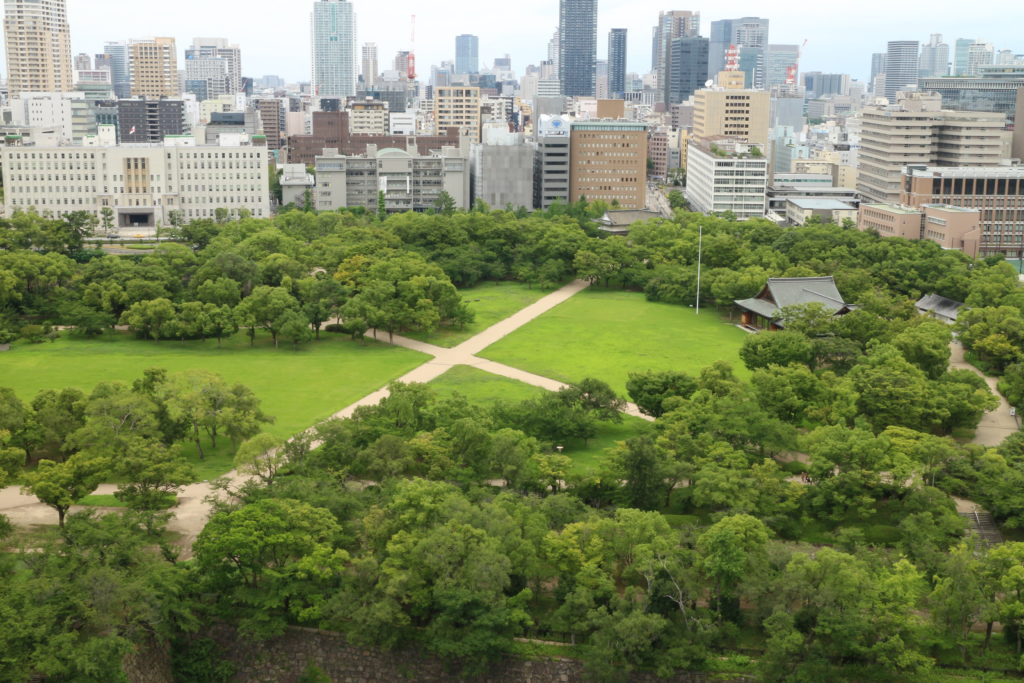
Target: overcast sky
274, 34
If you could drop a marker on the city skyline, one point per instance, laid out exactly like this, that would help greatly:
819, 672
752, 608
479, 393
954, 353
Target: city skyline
281, 47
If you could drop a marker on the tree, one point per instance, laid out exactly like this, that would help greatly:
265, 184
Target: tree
272, 561
677, 201
732, 551
267, 307
107, 218
55, 417
221, 321
150, 473
153, 318
650, 389
262, 456
382, 208
222, 291
926, 345
197, 399
294, 328
640, 465
596, 397
444, 204
62, 484
777, 348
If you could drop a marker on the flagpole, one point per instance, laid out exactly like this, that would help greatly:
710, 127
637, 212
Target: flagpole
700, 248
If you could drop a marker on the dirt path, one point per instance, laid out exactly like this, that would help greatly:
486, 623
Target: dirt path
995, 425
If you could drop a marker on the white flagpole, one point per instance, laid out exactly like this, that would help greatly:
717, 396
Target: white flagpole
700, 248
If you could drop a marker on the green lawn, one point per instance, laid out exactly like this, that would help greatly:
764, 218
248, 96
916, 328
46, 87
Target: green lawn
491, 302
608, 334
299, 388
484, 388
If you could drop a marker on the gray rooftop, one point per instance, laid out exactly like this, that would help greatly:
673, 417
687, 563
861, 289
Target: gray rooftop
939, 305
781, 292
820, 204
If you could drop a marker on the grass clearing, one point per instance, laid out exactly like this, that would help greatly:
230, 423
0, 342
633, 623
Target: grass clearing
492, 302
299, 388
608, 334
484, 388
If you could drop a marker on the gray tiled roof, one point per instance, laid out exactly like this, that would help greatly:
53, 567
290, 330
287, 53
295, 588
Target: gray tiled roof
781, 292
939, 305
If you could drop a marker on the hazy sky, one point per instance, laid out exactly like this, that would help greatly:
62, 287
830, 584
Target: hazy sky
274, 34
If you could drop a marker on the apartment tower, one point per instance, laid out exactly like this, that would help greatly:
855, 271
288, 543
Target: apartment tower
153, 68
333, 26
38, 43
371, 65
458, 106
617, 62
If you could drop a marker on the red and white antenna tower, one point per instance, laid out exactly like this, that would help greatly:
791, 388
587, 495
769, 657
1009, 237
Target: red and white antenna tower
412, 52
732, 58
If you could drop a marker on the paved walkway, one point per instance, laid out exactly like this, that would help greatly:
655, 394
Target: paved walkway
193, 508
997, 424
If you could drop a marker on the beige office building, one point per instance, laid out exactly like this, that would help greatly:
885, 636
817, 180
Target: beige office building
38, 43
738, 114
368, 117
608, 162
457, 106
917, 132
153, 68
951, 227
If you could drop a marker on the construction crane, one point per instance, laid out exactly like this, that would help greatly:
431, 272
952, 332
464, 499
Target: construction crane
412, 52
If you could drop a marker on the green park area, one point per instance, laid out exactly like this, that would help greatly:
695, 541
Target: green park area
608, 334
484, 388
490, 302
298, 388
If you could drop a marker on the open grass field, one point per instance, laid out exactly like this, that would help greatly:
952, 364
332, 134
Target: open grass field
299, 388
484, 388
608, 334
491, 302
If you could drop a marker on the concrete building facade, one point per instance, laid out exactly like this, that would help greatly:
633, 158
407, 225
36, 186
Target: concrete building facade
410, 182
741, 114
902, 66
551, 161
997, 192
142, 184
726, 174
918, 132
502, 169
950, 227
38, 44
577, 47
608, 162
458, 106
671, 25
153, 68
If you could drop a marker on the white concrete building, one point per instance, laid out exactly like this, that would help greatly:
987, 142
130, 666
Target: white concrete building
725, 174
502, 167
409, 182
141, 183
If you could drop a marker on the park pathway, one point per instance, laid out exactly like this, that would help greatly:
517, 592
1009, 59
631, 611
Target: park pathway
194, 506
997, 424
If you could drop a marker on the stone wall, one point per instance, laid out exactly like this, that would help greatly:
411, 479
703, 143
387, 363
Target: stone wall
284, 659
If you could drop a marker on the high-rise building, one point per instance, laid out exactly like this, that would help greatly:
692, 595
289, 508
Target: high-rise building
153, 67
334, 49
551, 161
104, 61
467, 54
617, 62
458, 106
687, 68
553, 50
272, 117
608, 162
738, 114
671, 25
577, 47
877, 65
822, 85
782, 65
371, 66
960, 52
902, 59
979, 54
749, 34
725, 174
120, 75
141, 120
934, 57
217, 63
83, 62
917, 131
38, 43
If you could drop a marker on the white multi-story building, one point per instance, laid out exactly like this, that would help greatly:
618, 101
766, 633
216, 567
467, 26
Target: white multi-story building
141, 183
408, 181
334, 48
725, 174
215, 62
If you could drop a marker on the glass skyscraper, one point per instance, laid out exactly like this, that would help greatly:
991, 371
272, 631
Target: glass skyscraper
467, 54
617, 62
577, 47
334, 49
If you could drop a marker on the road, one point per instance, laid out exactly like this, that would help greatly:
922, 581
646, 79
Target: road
657, 201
